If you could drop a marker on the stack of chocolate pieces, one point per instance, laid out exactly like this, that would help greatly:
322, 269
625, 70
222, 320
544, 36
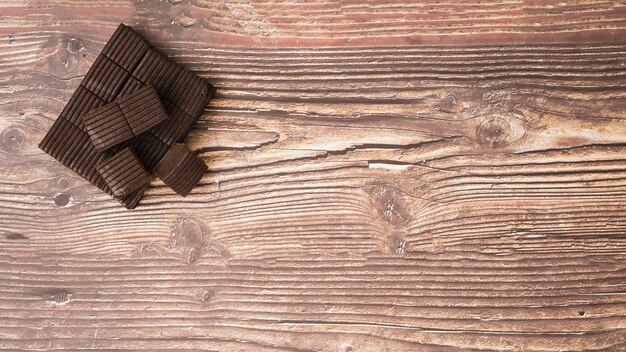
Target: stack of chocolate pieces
126, 120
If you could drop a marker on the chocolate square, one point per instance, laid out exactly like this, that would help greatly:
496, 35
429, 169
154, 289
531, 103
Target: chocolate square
125, 48
123, 173
176, 127
105, 78
157, 71
124, 118
142, 109
80, 103
174, 83
72, 147
149, 149
107, 126
180, 169
130, 201
189, 91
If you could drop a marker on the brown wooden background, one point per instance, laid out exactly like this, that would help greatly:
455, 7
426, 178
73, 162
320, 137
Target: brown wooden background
385, 175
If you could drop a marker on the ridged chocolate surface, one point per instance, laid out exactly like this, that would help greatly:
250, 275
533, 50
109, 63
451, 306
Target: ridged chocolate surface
125, 48
81, 102
142, 109
176, 127
180, 169
105, 78
107, 126
123, 172
149, 149
124, 118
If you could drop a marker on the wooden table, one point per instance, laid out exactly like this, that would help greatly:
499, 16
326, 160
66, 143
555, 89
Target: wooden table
384, 176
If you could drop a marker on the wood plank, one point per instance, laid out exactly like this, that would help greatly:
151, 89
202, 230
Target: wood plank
383, 176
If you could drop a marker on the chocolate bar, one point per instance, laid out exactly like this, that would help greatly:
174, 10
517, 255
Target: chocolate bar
123, 173
126, 64
180, 169
124, 118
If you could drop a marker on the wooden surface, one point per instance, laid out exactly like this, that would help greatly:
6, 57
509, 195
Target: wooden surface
384, 176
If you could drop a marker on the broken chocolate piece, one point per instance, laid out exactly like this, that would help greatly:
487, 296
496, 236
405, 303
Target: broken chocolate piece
124, 118
107, 126
123, 173
180, 169
142, 109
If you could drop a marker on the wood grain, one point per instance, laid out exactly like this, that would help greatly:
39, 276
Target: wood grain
383, 176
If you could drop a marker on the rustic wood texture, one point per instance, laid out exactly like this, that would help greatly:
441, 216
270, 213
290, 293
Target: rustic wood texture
383, 176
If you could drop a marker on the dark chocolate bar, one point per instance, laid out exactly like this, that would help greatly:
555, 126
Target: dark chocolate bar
123, 172
124, 118
127, 63
180, 169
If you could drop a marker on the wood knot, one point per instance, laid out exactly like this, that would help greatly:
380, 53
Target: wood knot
61, 199
74, 45
65, 57
62, 183
394, 208
189, 242
390, 205
15, 236
494, 133
188, 233
397, 243
190, 236
449, 104
186, 21
399, 246
346, 347
207, 295
13, 139
59, 297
